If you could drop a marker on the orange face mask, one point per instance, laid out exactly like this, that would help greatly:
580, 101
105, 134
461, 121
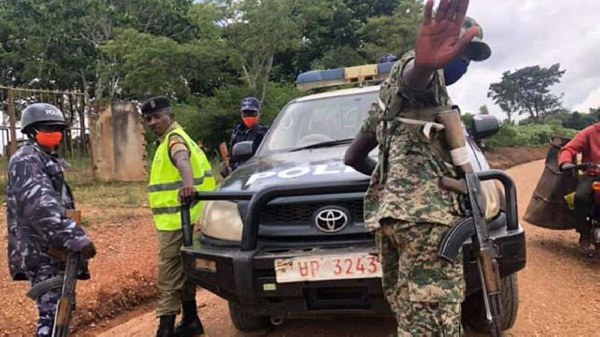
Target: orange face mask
49, 140
250, 121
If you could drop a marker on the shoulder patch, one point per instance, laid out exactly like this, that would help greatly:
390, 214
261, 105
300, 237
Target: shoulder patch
174, 140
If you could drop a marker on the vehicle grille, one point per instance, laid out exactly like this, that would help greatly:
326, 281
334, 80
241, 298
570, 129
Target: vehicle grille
302, 213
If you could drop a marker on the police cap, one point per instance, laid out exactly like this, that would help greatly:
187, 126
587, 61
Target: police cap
155, 104
250, 104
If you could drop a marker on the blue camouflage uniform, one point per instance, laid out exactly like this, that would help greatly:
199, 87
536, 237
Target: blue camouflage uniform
242, 133
37, 200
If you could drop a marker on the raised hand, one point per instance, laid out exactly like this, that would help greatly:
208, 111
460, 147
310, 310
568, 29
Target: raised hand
439, 41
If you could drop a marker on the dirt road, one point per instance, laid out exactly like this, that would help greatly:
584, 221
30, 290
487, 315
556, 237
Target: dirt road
560, 291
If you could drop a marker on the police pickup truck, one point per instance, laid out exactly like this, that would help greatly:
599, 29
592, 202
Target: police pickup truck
284, 235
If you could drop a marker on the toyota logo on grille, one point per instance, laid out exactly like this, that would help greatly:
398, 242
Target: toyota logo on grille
331, 219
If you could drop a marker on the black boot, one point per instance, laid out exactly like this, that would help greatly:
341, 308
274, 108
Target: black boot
585, 244
166, 326
190, 324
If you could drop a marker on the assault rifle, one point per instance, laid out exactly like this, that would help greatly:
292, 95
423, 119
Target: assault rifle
482, 246
66, 303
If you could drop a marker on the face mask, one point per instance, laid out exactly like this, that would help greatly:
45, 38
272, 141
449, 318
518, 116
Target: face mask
250, 121
49, 140
454, 71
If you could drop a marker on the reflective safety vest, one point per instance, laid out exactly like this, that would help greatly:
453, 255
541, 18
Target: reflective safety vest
165, 182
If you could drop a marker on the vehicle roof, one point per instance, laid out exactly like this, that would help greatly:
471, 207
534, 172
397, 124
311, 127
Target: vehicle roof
336, 93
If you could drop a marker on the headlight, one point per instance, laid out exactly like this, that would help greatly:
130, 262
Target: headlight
221, 220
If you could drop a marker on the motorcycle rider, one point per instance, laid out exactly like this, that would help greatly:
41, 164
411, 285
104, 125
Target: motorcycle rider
586, 142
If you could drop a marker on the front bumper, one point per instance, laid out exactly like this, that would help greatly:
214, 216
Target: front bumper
246, 274
248, 278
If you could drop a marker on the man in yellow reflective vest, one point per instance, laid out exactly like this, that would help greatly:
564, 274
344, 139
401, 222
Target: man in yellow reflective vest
179, 169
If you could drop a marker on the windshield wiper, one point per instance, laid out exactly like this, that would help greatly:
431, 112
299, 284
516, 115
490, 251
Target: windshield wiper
324, 144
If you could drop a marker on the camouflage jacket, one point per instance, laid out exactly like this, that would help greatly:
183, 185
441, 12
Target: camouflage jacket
404, 184
37, 199
242, 133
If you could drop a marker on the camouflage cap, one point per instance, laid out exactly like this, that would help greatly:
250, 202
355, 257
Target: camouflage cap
250, 104
477, 49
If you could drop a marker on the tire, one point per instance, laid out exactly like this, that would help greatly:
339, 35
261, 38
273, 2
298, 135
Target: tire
245, 321
474, 308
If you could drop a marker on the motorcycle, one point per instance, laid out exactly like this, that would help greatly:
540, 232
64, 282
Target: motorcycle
552, 203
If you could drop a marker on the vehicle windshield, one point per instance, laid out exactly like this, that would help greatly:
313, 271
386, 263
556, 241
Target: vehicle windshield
329, 119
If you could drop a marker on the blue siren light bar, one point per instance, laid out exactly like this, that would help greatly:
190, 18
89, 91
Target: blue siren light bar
358, 75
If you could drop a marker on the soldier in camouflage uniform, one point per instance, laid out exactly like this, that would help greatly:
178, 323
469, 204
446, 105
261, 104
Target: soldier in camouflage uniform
37, 200
404, 206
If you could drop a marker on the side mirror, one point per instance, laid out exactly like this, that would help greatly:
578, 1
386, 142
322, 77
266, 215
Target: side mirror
242, 151
484, 126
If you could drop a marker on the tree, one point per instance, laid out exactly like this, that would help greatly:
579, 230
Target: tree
148, 65
527, 91
395, 34
576, 120
483, 110
257, 30
467, 119
330, 30
44, 47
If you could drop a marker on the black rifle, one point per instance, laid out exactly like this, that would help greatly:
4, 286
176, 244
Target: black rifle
66, 303
475, 227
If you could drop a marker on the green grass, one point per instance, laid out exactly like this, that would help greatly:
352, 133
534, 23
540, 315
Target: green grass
88, 191
112, 195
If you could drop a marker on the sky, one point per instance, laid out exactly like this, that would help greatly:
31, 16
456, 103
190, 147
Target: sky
525, 33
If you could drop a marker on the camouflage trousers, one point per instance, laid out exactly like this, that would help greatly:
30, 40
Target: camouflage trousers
46, 305
424, 291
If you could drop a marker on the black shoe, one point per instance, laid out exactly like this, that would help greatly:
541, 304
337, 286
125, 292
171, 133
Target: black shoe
166, 326
585, 245
190, 324
187, 328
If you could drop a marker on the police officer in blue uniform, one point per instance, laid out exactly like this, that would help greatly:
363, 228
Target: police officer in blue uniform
37, 201
248, 130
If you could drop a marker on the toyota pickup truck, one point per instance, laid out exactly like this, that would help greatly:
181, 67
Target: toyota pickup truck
284, 237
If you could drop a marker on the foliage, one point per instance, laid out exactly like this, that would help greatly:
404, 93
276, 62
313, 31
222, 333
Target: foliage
147, 65
394, 34
483, 110
221, 112
527, 91
529, 135
257, 30
213, 119
208, 55
577, 120
329, 29
467, 119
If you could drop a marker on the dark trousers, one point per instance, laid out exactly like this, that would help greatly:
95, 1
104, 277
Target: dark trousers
583, 205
